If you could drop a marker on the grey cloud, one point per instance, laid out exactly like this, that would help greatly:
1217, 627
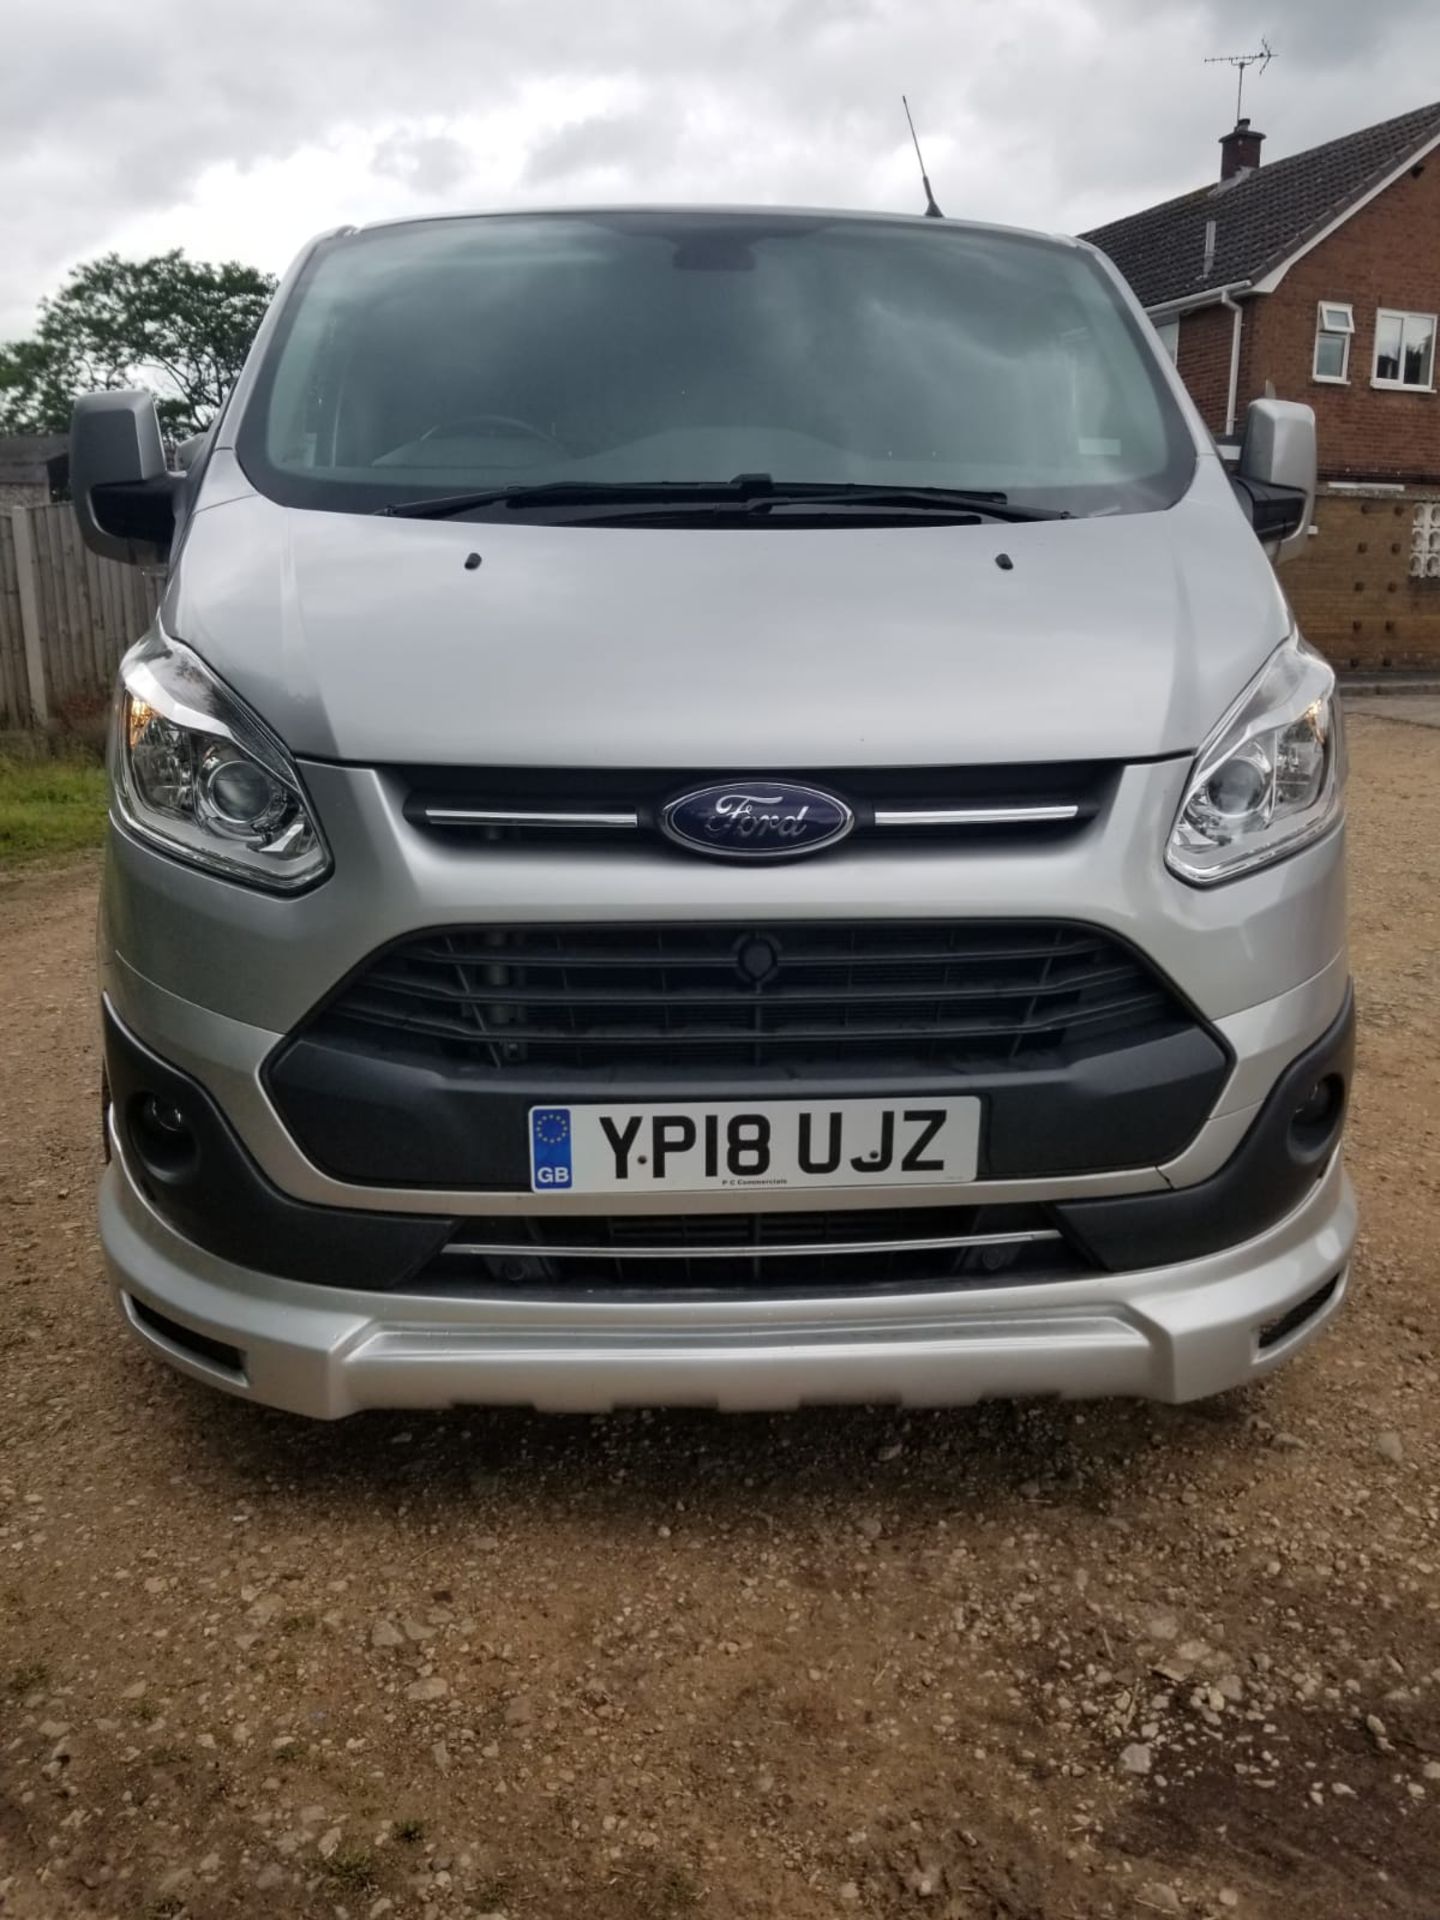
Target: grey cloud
428, 162
635, 144
601, 141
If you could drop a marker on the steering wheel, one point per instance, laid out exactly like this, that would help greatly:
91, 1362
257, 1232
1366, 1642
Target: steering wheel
506, 422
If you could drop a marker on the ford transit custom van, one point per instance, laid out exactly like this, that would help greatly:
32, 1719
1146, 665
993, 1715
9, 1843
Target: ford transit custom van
725, 808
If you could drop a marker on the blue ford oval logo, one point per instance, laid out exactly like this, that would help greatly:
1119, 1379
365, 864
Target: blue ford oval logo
757, 819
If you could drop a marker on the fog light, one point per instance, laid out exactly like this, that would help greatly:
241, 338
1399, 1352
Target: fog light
1314, 1119
163, 1136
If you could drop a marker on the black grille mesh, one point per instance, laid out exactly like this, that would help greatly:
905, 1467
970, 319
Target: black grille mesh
799, 995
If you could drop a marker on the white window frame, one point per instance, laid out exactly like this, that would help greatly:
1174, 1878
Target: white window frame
1403, 314
1169, 332
1333, 317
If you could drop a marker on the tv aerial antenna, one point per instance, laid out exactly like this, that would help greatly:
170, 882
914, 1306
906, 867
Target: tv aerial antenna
1241, 61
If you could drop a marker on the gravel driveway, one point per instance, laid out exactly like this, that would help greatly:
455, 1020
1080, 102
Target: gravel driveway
1017, 1663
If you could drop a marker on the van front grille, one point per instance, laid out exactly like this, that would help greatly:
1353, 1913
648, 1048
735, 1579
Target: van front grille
797, 996
606, 807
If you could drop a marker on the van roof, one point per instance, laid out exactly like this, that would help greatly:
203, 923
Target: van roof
721, 210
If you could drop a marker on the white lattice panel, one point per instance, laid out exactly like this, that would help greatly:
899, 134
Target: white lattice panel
1425, 542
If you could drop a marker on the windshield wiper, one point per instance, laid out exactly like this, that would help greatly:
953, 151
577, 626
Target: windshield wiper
582, 493
747, 493
907, 499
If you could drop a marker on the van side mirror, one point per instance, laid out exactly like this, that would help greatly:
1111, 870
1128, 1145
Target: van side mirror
1276, 476
122, 491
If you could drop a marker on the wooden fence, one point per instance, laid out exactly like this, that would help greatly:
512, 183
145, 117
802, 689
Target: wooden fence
66, 616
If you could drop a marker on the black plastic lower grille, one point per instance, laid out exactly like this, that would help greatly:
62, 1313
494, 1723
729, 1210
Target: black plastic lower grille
780, 1252
799, 995
1274, 1331
199, 1346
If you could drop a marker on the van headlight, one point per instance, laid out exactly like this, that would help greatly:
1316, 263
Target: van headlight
1271, 777
195, 772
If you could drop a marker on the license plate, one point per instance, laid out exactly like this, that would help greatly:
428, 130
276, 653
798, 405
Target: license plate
701, 1149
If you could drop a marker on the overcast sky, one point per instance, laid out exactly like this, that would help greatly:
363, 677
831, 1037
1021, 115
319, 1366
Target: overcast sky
236, 128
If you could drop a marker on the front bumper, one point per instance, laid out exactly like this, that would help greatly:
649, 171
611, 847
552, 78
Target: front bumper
1219, 1281
1167, 1333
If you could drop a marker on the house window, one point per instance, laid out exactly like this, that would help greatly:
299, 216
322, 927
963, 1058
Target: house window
1334, 327
1404, 350
1169, 332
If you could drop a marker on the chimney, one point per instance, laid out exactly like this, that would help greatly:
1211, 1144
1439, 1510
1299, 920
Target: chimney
1239, 150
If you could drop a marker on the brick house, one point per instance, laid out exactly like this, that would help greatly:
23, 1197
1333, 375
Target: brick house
1317, 278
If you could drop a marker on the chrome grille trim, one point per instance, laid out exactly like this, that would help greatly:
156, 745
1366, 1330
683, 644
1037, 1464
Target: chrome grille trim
814, 1250
507, 817
973, 816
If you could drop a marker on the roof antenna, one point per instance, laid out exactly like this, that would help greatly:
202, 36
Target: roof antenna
1241, 61
931, 209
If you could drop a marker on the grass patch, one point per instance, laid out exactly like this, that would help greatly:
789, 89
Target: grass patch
353, 1870
28, 1678
49, 808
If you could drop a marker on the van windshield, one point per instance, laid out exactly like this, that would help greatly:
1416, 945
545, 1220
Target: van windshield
513, 351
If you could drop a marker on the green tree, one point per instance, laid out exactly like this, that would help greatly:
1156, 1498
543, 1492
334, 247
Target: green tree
179, 327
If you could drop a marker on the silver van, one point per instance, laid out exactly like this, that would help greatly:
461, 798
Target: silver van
723, 808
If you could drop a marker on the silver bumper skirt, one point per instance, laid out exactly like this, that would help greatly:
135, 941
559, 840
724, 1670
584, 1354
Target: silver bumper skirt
1170, 1333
